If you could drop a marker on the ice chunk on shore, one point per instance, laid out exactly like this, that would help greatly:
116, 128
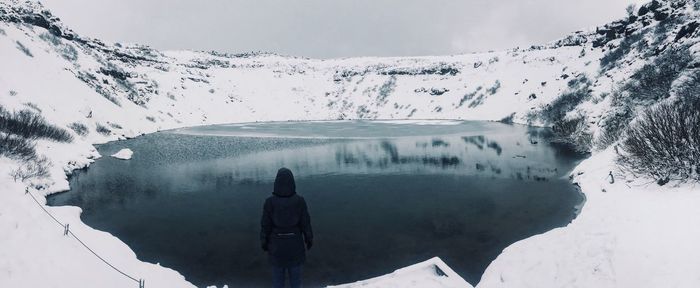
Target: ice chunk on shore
431, 273
124, 154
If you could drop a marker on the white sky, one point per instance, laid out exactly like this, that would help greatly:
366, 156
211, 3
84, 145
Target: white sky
335, 28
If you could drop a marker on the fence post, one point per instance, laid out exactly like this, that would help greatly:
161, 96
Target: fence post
142, 283
26, 190
66, 229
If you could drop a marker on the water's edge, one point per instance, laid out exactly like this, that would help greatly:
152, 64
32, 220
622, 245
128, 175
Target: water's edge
70, 173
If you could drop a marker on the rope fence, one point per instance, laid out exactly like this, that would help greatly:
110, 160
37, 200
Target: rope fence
68, 232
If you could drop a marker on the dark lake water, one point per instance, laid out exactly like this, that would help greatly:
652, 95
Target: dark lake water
381, 195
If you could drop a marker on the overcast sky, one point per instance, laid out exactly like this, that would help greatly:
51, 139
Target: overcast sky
335, 28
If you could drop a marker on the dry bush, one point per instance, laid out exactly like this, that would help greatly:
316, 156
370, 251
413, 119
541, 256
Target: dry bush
653, 81
664, 142
24, 49
579, 91
15, 147
32, 168
79, 128
30, 125
102, 129
573, 132
648, 85
688, 89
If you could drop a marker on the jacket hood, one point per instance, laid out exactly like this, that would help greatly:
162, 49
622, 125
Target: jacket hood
284, 183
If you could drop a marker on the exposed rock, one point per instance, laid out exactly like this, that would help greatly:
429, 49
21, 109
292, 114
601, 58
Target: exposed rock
651, 6
121, 75
687, 30
661, 15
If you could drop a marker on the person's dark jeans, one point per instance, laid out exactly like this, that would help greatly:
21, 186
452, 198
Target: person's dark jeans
279, 275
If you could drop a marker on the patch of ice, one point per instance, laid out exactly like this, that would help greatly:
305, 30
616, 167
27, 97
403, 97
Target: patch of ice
420, 122
124, 154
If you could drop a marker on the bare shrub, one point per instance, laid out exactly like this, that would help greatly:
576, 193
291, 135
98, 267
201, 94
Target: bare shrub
115, 125
30, 125
613, 125
102, 129
573, 132
664, 143
24, 49
508, 119
653, 81
607, 137
579, 91
66, 50
469, 96
33, 106
385, 90
688, 90
647, 86
494, 89
15, 147
612, 57
37, 167
79, 128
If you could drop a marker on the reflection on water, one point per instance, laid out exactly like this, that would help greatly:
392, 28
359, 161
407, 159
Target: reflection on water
382, 195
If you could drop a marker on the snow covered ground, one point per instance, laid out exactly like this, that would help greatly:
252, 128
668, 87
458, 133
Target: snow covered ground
629, 234
632, 233
430, 273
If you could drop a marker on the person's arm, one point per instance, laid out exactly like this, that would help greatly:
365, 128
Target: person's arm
266, 225
306, 225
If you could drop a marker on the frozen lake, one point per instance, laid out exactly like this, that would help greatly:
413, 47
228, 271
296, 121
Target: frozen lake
382, 195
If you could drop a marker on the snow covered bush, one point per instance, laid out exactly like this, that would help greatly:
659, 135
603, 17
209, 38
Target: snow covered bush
612, 57
79, 128
30, 125
688, 89
664, 142
19, 129
67, 51
385, 90
102, 129
653, 81
15, 147
494, 89
24, 49
579, 91
648, 85
37, 167
574, 132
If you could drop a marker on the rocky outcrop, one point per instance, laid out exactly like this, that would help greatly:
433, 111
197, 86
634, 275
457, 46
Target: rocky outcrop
32, 13
687, 30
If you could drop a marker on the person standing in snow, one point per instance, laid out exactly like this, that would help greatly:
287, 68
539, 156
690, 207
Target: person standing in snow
286, 230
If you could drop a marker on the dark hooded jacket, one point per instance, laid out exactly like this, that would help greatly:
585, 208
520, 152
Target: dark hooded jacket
285, 224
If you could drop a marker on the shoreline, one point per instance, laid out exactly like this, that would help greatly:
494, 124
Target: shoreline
455, 278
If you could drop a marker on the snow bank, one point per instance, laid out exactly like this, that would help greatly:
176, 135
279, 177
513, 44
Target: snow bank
124, 154
35, 253
431, 273
629, 234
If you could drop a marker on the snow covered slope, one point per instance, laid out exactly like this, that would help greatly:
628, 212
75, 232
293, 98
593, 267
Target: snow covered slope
109, 91
176, 88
